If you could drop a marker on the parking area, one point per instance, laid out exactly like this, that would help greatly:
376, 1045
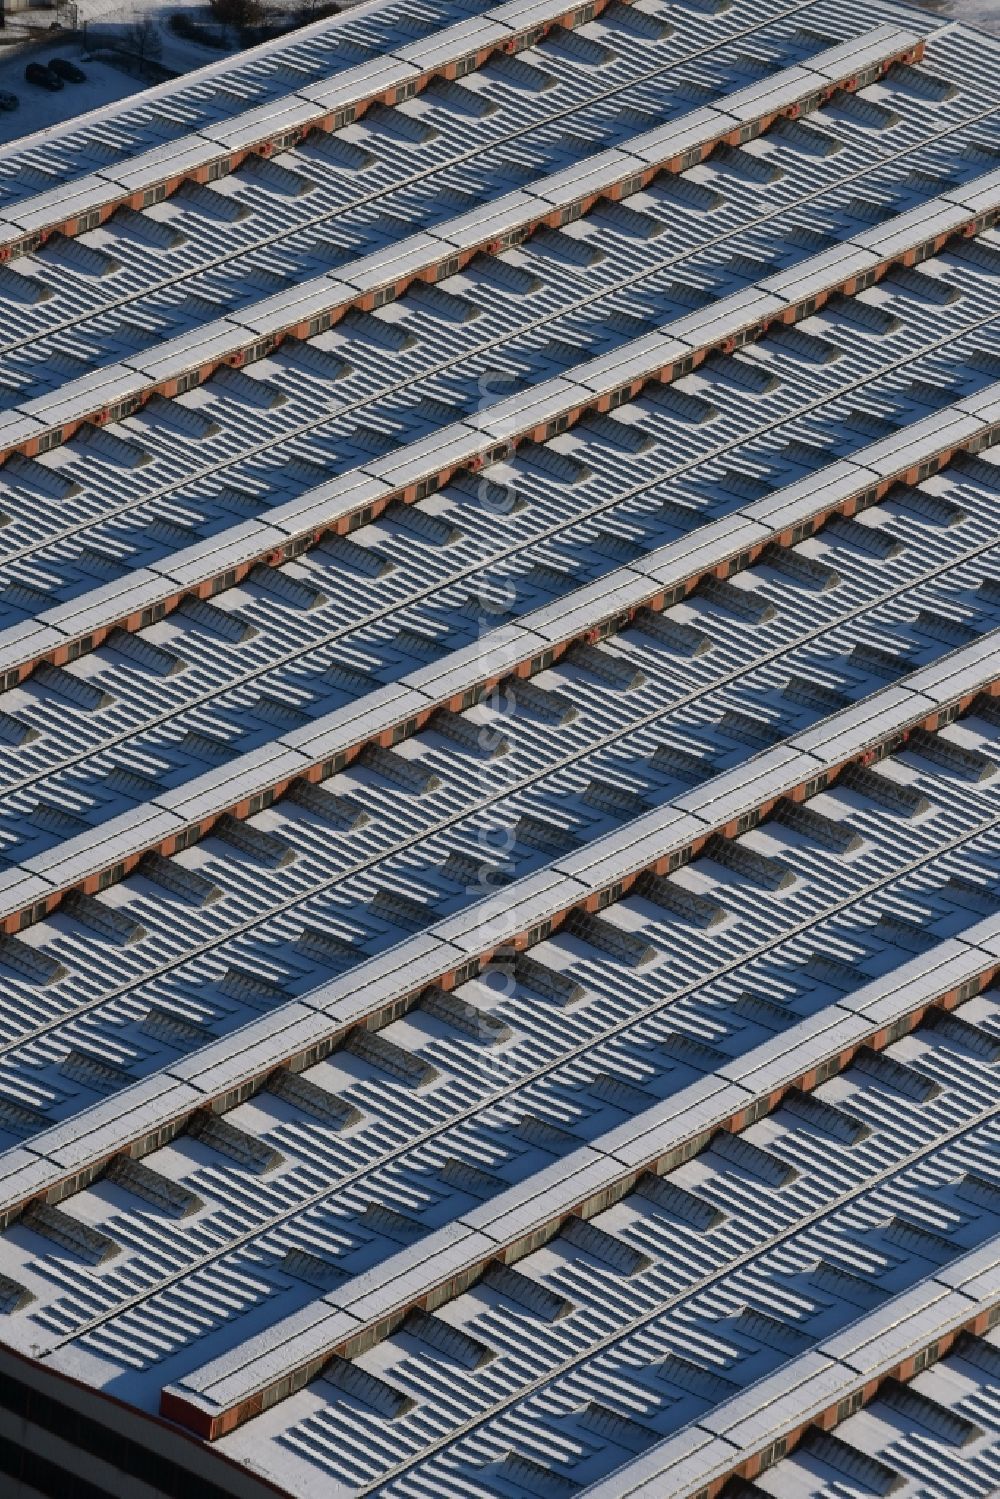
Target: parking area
37, 109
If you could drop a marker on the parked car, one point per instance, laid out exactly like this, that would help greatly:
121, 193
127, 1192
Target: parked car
66, 70
7, 101
38, 73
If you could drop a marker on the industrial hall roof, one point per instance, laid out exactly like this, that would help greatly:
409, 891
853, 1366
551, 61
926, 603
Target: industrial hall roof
500, 763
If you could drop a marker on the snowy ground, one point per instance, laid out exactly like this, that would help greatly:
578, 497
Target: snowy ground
97, 22
37, 109
101, 19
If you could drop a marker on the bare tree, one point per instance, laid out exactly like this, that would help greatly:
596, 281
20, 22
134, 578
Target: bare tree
141, 38
315, 10
237, 13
